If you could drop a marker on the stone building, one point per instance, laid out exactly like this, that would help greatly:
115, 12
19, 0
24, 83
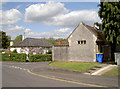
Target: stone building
32, 46
84, 43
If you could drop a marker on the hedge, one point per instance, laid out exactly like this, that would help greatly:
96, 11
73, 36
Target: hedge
40, 57
5, 57
21, 57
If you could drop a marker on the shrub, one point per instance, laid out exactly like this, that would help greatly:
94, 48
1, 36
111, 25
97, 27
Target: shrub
40, 57
19, 57
15, 51
49, 52
6, 57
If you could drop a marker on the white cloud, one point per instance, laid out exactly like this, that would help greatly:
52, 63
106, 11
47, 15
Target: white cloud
15, 28
18, 29
74, 18
64, 32
55, 14
42, 12
9, 16
27, 30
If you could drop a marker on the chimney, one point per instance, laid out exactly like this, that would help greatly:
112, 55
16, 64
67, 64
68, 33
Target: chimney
11, 43
59, 42
23, 36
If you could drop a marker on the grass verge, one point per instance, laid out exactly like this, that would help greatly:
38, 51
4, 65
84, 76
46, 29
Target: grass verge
77, 66
113, 72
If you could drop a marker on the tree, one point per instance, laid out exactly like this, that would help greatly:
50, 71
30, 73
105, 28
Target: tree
4, 40
15, 51
17, 39
62, 40
51, 40
109, 13
55, 41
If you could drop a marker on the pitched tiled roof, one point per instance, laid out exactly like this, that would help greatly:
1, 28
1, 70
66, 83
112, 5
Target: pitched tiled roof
93, 30
98, 33
32, 42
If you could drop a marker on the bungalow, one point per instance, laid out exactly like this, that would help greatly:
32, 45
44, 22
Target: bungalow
32, 46
83, 45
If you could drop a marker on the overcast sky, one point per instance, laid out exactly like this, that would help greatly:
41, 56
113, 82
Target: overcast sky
46, 19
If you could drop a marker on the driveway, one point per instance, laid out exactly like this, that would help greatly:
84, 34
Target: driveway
39, 74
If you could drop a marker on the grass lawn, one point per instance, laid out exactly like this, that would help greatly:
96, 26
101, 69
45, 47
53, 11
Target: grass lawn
74, 65
113, 72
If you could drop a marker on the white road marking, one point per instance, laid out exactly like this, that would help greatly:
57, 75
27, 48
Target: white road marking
16, 67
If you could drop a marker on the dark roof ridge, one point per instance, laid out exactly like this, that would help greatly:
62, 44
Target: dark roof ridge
32, 42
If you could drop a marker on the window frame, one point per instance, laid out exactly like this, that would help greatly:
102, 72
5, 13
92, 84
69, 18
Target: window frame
81, 42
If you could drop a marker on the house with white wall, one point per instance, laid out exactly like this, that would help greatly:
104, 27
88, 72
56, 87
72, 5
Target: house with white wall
32, 46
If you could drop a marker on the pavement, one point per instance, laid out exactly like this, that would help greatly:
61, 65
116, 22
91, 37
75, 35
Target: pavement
104, 69
100, 69
55, 76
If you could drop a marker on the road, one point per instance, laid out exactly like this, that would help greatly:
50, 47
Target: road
39, 74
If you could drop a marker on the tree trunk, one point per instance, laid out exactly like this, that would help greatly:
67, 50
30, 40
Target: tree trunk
113, 47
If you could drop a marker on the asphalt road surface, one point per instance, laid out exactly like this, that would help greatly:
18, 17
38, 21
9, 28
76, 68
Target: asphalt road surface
39, 74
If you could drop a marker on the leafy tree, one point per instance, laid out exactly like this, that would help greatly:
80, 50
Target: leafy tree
17, 39
4, 40
54, 41
109, 13
15, 51
62, 39
51, 40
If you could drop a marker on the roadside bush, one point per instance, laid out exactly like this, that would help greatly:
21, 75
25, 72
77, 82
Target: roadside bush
19, 57
5, 57
15, 51
49, 52
40, 57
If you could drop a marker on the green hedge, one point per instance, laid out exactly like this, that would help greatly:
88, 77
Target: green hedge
40, 57
5, 57
20, 57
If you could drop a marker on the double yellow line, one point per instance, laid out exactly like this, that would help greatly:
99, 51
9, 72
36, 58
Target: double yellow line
48, 77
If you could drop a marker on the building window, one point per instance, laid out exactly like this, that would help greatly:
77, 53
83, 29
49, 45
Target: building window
82, 42
78, 42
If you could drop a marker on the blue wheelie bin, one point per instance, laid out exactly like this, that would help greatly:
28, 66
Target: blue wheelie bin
99, 57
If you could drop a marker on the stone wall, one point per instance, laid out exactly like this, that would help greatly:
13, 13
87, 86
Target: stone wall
82, 52
60, 53
82, 47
